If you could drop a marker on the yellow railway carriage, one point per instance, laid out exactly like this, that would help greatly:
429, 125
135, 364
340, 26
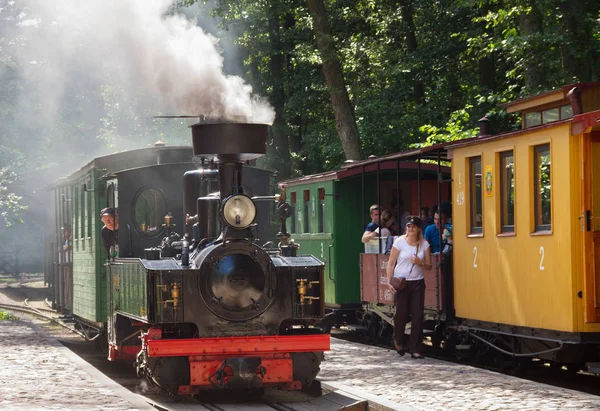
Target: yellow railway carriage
526, 229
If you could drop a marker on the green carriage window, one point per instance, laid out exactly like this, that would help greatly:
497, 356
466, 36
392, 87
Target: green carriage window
90, 208
150, 208
306, 211
306, 215
542, 193
293, 218
321, 210
507, 192
82, 205
76, 210
475, 195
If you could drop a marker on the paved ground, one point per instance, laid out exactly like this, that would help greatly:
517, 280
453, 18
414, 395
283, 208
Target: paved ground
437, 385
38, 373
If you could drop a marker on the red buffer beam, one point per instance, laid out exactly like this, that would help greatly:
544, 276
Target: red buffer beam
239, 346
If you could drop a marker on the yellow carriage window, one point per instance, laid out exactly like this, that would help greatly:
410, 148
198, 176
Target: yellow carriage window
566, 111
550, 115
533, 119
542, 193
507, 192
475, 193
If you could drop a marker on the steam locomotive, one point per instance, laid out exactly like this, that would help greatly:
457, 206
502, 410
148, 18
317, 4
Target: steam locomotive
208, 308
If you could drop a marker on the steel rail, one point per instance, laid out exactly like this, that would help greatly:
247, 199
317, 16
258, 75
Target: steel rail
35, 311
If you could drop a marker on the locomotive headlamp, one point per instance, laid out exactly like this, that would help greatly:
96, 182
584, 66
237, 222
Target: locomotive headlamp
239, 211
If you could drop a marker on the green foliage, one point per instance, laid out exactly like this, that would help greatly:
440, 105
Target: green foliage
6, 316
469, 57
130, 121
9, 202
454, 129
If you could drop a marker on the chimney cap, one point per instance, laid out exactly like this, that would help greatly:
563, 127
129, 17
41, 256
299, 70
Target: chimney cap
484, 119
159, 143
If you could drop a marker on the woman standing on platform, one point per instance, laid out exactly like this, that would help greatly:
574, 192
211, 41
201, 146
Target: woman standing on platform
409, 257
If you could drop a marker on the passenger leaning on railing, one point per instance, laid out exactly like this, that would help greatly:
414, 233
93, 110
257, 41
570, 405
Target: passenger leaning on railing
372, 229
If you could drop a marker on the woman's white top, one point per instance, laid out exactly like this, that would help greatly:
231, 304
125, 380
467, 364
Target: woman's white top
385, 232
404, 264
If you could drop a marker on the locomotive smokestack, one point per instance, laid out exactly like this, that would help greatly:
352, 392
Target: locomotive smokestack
231, 144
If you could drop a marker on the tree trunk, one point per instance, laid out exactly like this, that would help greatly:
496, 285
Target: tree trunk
406, 8
531, 24
332, 69
486, 64
487, 74
279, 129
289, 23
578, 55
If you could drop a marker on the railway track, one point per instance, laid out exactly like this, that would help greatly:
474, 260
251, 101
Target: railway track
124, 374
42, 313
270, 400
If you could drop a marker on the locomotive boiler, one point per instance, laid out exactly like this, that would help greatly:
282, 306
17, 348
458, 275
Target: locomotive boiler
224, 312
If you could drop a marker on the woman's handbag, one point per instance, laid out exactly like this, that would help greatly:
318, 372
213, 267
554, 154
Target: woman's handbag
399, 283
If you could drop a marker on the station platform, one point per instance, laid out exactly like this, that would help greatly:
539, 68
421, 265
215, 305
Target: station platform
432, 384
39, 373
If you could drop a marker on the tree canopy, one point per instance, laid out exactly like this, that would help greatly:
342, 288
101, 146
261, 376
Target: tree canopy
416, 71
405, 71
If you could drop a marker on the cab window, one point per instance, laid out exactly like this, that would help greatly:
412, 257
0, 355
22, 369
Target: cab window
149, 207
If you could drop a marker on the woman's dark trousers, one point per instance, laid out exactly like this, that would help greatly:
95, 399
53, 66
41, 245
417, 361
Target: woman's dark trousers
410, 303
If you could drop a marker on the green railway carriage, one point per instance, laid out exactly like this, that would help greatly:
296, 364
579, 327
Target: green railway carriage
331, 210
78, 269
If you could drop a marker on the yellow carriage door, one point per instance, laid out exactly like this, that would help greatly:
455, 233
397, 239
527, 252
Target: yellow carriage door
592, 231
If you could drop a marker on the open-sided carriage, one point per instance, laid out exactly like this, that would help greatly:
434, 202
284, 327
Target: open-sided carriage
330, 214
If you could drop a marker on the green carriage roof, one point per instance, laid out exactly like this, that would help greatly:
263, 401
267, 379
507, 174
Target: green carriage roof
112, 163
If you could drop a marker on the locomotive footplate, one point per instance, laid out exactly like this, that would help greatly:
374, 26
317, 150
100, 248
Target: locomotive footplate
238, 346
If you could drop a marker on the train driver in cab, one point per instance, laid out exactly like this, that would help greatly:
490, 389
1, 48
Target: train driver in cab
372, 229
110, 236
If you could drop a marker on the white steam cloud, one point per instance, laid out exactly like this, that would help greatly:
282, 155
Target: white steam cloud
135, 42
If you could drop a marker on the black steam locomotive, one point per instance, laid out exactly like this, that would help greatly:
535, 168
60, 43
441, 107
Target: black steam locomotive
212, 308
